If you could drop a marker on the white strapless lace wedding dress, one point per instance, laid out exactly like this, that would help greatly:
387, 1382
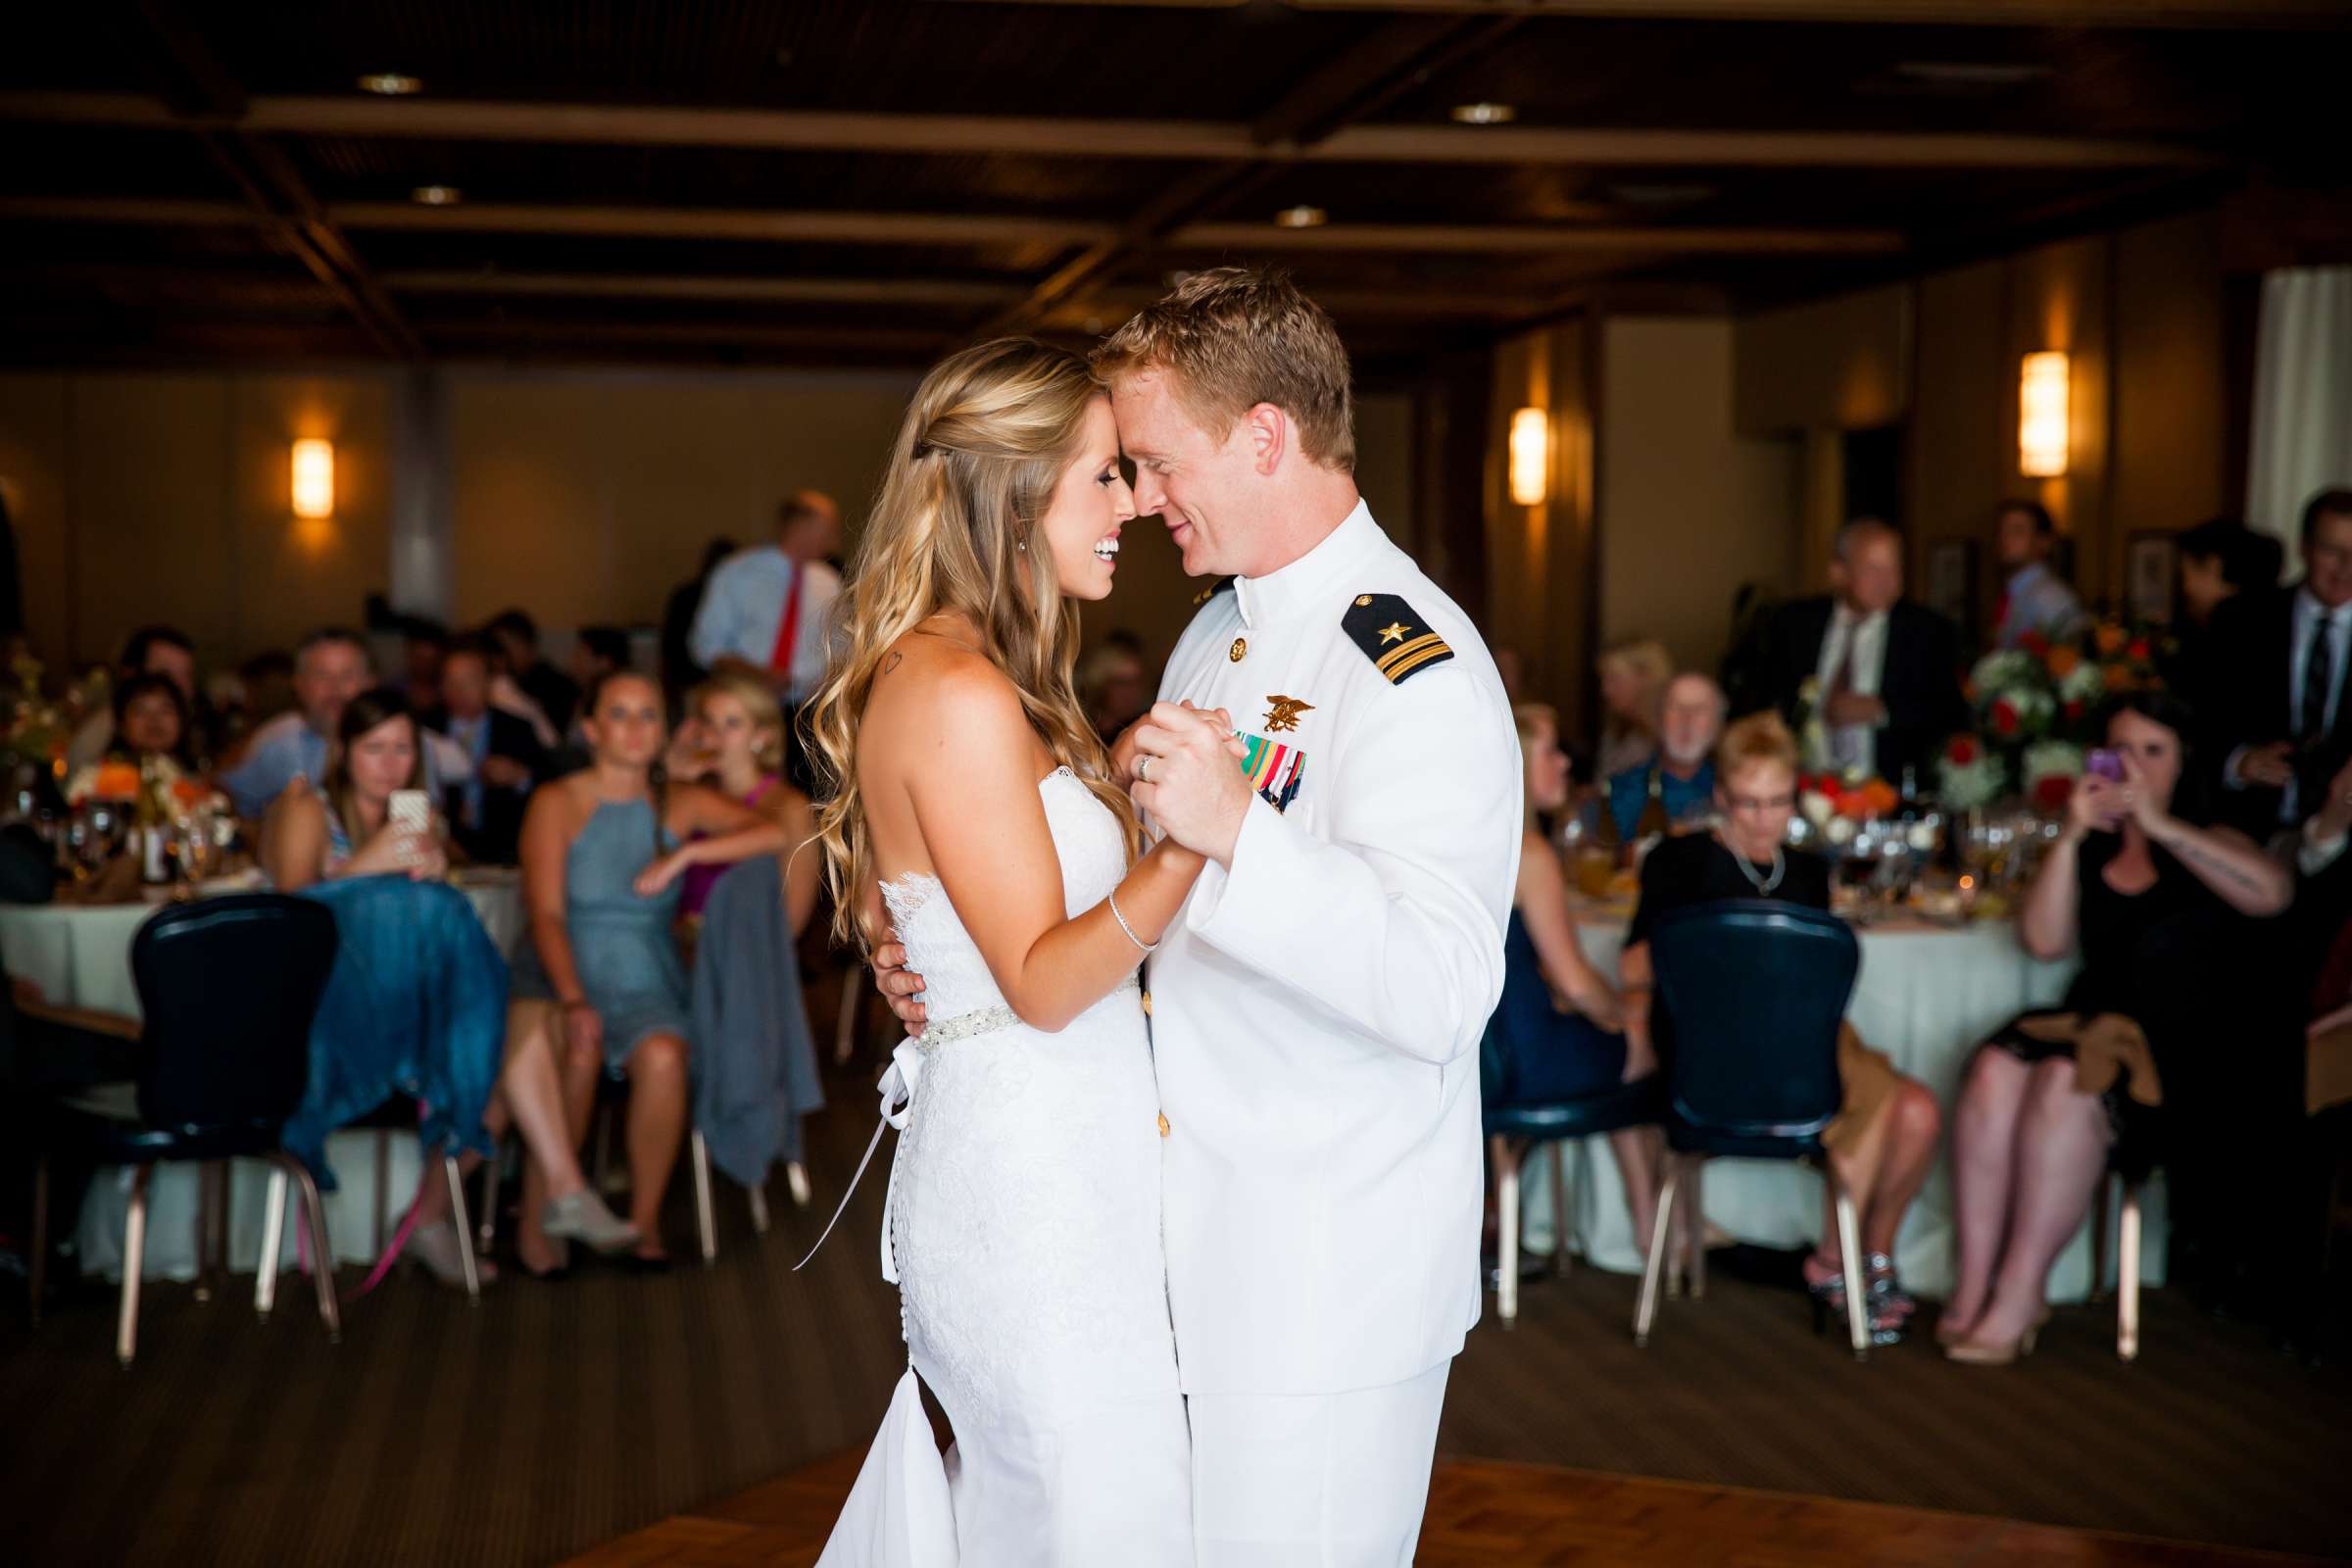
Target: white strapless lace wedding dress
1023, 1224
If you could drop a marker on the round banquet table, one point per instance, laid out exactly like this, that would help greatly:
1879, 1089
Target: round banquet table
80, 956
1927, 995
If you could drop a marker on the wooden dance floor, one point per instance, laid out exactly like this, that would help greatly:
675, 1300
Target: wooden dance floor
1488, 1512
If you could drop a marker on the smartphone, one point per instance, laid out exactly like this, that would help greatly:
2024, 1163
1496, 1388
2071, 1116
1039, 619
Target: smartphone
409, 809
2104, 764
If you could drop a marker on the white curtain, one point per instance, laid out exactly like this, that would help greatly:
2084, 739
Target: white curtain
2302, 398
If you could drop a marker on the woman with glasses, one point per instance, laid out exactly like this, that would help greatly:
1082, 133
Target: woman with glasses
1882, 1143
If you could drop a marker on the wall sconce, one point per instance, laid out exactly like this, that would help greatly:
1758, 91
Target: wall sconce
1531, 457
2041, 429
313, 478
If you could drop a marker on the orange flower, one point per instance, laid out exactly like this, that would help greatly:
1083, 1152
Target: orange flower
2110, 640
2063, 660
116, 781
189, 791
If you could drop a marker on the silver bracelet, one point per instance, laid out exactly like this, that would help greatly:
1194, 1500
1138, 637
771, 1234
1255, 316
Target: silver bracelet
1148, 947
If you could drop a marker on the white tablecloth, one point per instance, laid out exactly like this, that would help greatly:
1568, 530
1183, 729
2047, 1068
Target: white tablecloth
1926, 997
80, 956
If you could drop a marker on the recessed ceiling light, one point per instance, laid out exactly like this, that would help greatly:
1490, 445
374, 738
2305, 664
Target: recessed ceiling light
1485, 114
437, 195
391, 83
1303, 218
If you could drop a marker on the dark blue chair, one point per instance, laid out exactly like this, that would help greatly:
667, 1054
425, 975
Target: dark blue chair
1750, 996
227, 988
1514, 1130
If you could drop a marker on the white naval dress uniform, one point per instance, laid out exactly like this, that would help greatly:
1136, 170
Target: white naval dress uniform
1316, 1012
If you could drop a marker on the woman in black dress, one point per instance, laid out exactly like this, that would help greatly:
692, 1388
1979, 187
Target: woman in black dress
2145, 893
1883, 1144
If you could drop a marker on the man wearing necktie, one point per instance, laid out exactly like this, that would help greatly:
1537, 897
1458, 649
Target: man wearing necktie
486, 808
2282, 741
767, 613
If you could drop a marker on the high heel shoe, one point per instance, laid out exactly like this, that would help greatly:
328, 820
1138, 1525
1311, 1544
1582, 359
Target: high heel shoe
1828, 1306
2017, 1349
1878, 1272
439, 1249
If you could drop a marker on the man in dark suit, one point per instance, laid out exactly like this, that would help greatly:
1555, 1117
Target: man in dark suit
485, 811
2272, 689
1886, 670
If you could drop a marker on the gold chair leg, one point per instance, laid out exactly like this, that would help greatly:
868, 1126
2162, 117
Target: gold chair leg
1560, 1255
273, 1243
2127, 1275
1506, 1230
1850, 1248
135, 1258
463, 1224
1646, 1309
705, 1218
322, 1251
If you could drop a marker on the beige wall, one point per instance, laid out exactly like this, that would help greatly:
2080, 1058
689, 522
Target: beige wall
166, 497
583, 496
1688, 510
1540, 589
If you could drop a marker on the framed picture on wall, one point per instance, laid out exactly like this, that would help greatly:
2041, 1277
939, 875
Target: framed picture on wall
2148, 575
1951, 585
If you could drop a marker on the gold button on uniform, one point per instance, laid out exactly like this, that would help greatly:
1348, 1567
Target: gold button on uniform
1164, 1124
1241, 645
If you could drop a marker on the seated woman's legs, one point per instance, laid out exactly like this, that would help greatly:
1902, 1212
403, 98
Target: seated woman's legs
1913, 1126
657, 1126
1992, 1098
1639, 1152
2061, 1139
578, 1069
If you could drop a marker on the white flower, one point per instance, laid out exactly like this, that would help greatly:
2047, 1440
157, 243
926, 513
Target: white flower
1972, 785
2086, 683
1816, 808
2050, 759
2002, 668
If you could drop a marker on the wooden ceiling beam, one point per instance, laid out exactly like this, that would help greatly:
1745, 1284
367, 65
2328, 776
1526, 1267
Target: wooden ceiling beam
1549, 239
746, 290
1182, 141
697, 222
2134, 14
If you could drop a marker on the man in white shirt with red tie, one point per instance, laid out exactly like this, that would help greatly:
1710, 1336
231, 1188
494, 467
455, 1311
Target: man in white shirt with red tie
768, 610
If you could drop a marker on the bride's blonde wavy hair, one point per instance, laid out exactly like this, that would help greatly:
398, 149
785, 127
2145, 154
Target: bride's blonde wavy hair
956, 526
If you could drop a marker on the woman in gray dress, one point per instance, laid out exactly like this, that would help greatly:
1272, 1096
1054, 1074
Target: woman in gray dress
604, 851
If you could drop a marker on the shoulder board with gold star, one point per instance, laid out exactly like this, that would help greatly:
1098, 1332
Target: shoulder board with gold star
1212, 590
1398, 642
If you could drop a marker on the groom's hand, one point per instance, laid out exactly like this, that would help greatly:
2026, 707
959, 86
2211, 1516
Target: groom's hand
900, 986
1123, 753
1187, 778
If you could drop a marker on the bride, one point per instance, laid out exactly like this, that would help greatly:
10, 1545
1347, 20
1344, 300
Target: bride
971, 808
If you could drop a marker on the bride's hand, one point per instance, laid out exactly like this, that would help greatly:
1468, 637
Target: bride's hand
898, 985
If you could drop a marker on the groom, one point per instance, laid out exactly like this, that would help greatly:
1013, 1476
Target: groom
1317, 1006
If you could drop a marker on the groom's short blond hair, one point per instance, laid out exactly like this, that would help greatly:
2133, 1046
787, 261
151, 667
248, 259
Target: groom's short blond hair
1232, 337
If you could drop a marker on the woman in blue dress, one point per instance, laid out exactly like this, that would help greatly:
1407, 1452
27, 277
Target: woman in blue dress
1558, 1021
604, 855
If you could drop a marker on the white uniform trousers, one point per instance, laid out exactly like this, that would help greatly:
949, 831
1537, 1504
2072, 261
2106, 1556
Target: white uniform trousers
1314, 1480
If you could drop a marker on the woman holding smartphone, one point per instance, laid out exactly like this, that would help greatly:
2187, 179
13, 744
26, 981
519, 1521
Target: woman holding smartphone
2149, 892
373, 797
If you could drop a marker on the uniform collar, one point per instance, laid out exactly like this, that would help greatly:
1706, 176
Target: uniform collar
1343, 550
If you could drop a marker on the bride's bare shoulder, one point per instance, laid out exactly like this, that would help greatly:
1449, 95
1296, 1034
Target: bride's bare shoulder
933, 690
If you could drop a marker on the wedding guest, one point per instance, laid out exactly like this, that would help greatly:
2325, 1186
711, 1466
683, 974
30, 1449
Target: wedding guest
2143, 889
164, 651
423, 644
1632, 678
1883, 1144
1680, 777
1115, 684
745, 731
2273, 695
2218, 561
598, 651
681, 671
1885, 671
1559, 1020
2035, 600
310, 837
330, 669
485, 808
150, 720
766, 612
556, 694
604, 854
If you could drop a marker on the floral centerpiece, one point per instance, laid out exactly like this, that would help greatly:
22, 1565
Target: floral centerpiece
2034, 705
177, 798
35, 730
